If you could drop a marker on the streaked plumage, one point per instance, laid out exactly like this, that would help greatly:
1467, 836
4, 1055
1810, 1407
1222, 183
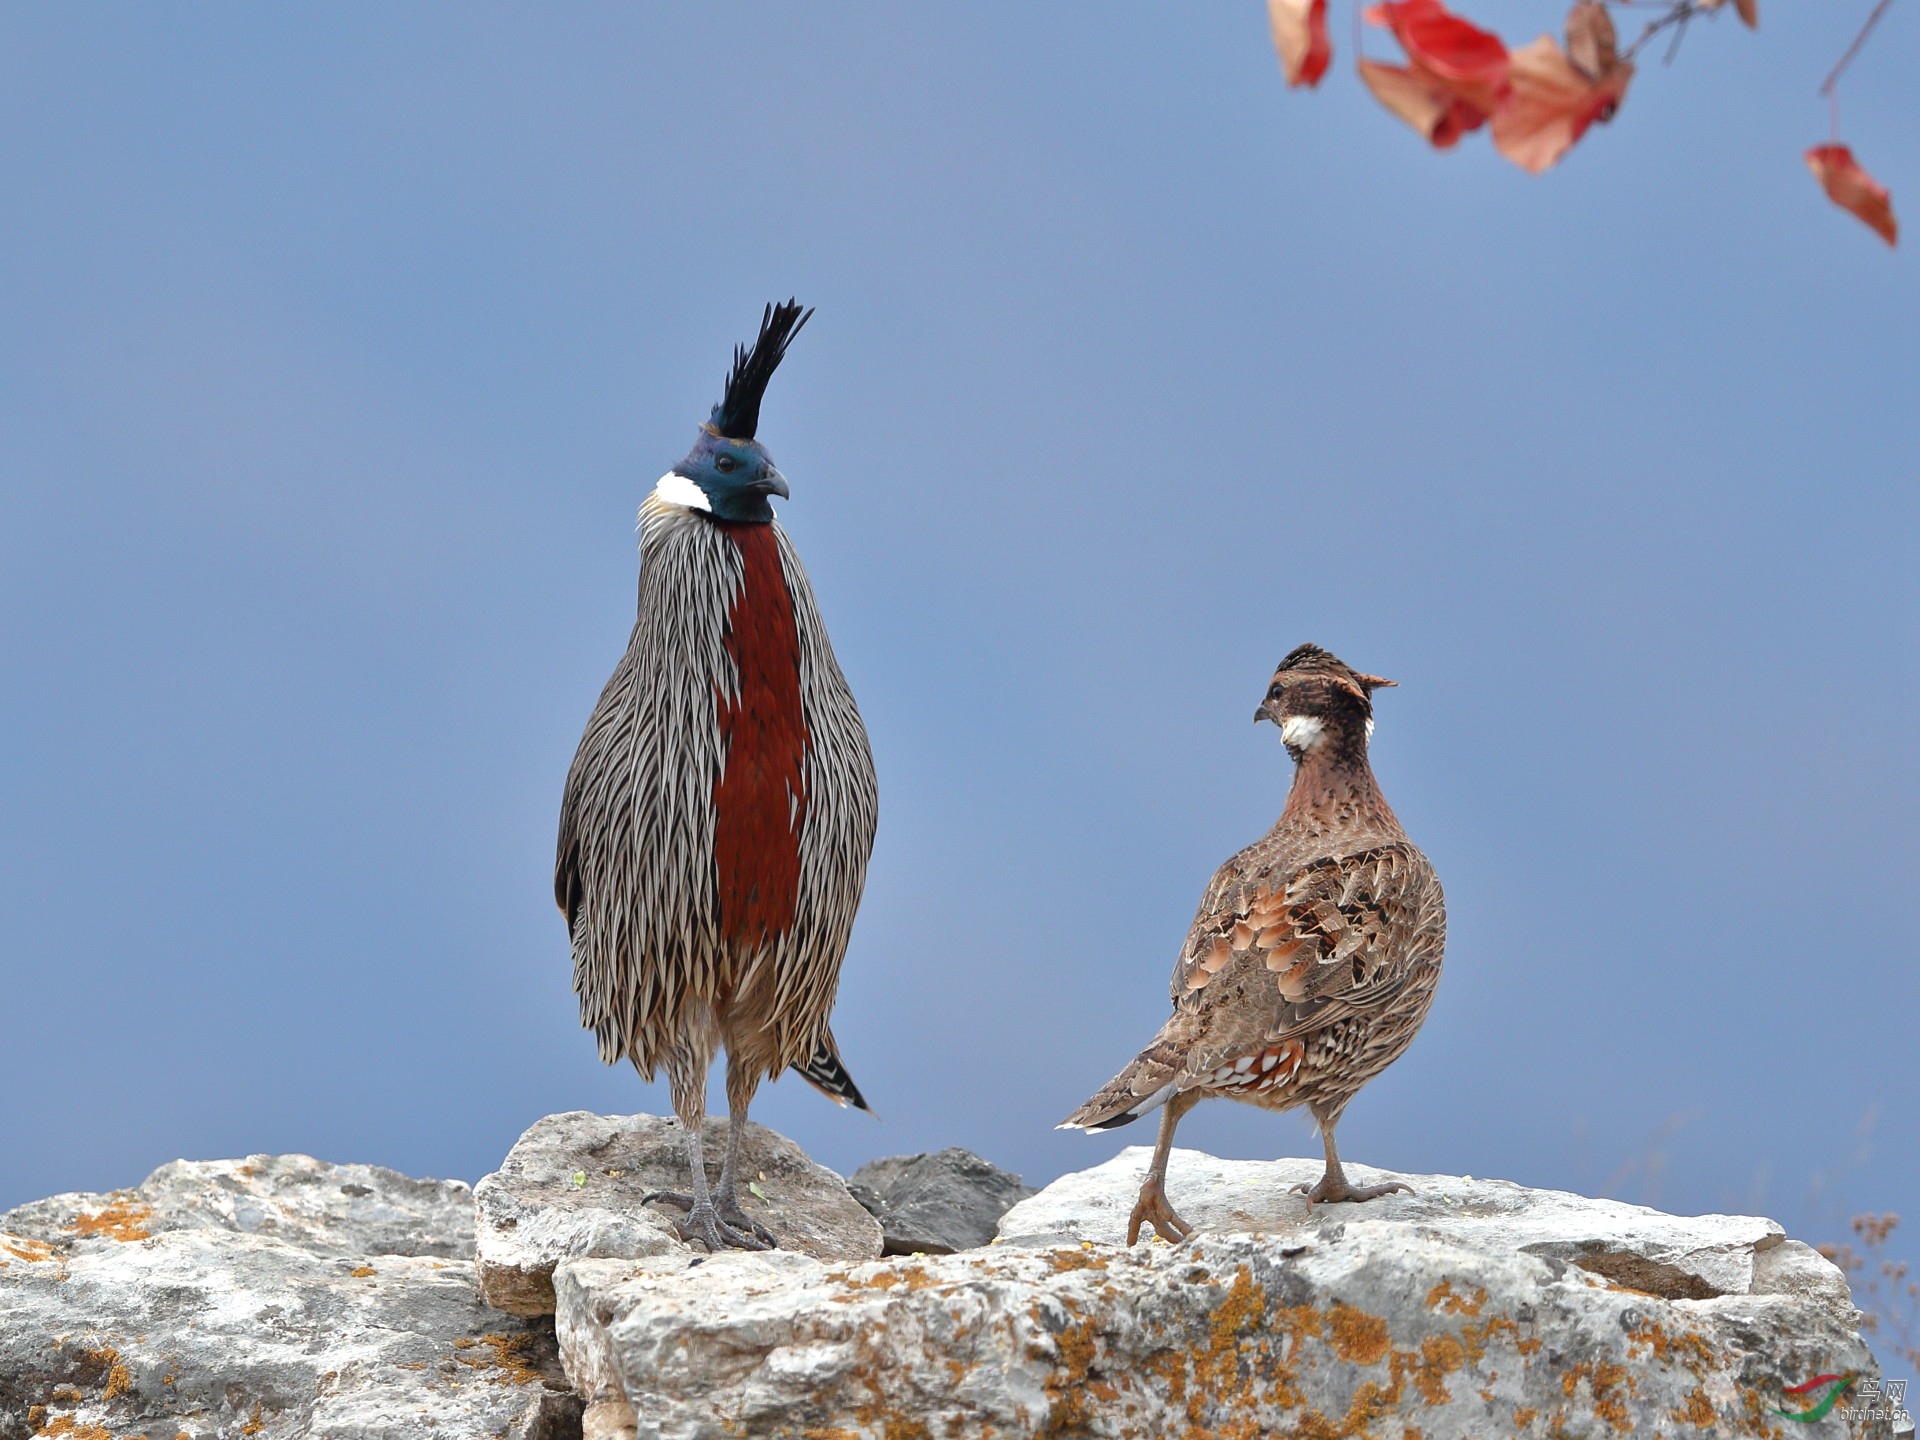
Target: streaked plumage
720, 811
1315, 953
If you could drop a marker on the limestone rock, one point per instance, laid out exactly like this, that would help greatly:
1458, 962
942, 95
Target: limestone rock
936, 1204
571, 1187
275, 1297
1469, 1313
324, 1209
1679, 1258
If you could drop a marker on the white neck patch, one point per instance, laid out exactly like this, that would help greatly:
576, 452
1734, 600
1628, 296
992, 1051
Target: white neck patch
1303, 732
676, 489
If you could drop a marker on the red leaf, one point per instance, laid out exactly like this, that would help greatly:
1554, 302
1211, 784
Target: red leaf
1550, 104
1472, 62
1300, 35
1852, 188
1423, 101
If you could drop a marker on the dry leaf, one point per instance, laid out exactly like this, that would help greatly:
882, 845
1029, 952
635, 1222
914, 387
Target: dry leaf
1300, 35
1852, 188
1470, 61
1422, 101
1550, 104
1457, 76
1591, 44
1749, 10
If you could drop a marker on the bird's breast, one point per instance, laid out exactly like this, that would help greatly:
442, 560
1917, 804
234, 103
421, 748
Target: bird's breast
760, 798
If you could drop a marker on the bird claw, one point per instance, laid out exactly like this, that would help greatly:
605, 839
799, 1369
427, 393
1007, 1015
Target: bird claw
1153, 1208
1329, 1190
721, 1227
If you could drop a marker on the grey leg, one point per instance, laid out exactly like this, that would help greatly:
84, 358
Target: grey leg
687, 1081
726, 1199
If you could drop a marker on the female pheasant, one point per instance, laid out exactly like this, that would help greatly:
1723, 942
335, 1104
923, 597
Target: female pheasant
720, 811
1314, 956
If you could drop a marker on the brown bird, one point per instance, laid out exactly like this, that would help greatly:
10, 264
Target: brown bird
1314, 956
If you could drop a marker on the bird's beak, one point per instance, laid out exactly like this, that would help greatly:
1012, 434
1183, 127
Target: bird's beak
1263, 713
773, 483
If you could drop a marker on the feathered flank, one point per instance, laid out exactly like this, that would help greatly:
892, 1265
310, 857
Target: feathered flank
737, 416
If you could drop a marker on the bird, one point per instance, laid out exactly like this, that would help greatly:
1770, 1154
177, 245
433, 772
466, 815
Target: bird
1313, 958
720, 811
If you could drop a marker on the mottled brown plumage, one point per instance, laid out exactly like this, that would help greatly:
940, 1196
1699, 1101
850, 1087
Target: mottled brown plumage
1314, 955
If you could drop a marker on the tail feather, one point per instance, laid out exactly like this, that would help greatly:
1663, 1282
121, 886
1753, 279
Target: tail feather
825, 1072
1148, 1082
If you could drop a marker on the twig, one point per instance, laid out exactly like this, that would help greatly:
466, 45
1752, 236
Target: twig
1833, 78
1826, 87
1681, 12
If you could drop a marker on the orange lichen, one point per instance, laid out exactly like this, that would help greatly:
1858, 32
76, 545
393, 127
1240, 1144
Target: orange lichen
1524, 1416
119, 1382
1358, 1338
361, 1272
123, 1220
1445, 1298
511, 1359
1081, 1259
1698, 1411
1690, 1349
67, 1426
255, 1425
1440, 1356
1608, 1384
1069, 1386
22, 1248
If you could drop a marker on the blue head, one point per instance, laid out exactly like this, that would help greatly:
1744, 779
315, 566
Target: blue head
729, 473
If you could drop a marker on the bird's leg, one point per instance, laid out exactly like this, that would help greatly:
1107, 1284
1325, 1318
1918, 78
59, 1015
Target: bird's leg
1153, 1207
1332, 1186
726, 1199
687, 1081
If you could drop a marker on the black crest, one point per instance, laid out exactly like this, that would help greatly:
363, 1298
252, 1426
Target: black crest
737, 415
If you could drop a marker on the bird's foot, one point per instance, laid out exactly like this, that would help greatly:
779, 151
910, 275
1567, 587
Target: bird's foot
1332, 1188
715, 1228
1153, 1208
728, 1207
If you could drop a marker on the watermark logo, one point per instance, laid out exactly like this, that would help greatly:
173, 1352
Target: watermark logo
1829, 1389
1876, 1400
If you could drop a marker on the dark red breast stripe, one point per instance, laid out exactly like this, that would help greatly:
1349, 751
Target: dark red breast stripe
760, 800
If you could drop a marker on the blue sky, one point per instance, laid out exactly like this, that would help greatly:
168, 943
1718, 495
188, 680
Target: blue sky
341, 343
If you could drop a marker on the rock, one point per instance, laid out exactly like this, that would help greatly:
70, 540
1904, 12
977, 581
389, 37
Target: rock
936, 1204
273, 1297
1694, 1258
325, 1209
571, 1187
1474, 1309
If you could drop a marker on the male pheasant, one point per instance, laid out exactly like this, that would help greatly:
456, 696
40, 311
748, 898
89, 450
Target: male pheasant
720, 812
1314, 956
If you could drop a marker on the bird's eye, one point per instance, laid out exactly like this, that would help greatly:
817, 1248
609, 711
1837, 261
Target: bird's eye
725, 463
1273, 692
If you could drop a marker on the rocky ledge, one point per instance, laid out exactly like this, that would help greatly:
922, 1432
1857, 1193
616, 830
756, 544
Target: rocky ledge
280, 1297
